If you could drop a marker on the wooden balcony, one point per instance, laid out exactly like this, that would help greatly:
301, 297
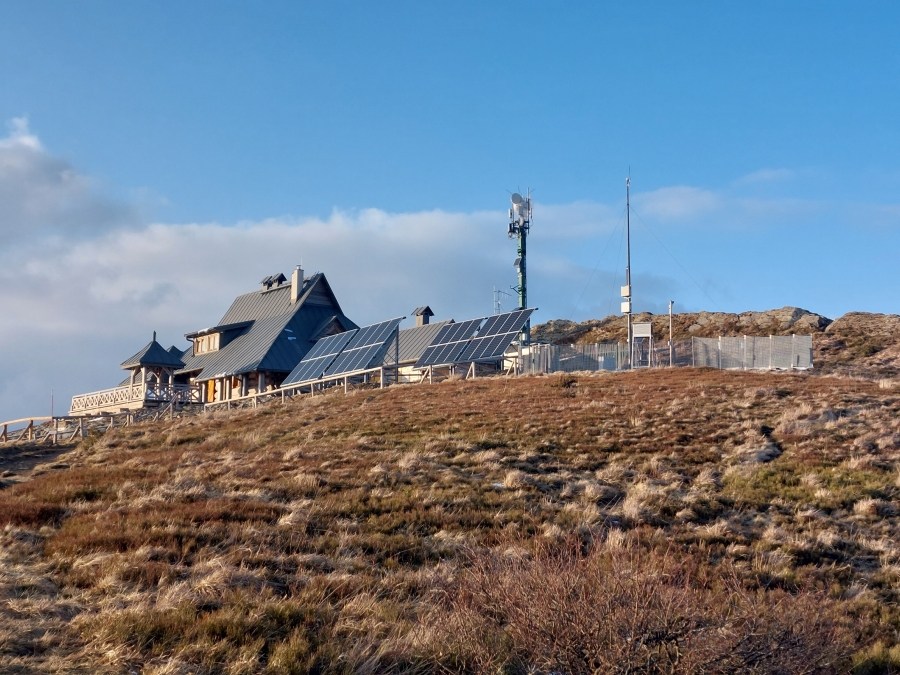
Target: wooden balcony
133, 397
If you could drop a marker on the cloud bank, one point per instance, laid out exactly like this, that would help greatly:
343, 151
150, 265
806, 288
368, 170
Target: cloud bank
84, 282
41, 194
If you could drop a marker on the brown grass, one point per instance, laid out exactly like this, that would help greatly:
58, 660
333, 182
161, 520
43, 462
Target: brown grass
311, 537
635, 610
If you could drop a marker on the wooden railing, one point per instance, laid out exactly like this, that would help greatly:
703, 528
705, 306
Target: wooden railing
129, 394
51, 429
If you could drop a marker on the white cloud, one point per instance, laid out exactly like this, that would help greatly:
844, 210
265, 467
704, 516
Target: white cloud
41, 193
20, 135
766, 176
679, 203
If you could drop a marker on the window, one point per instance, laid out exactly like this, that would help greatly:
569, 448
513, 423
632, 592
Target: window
206, 343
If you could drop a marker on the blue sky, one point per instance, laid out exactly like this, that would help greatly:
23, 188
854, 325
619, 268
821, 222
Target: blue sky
187, 139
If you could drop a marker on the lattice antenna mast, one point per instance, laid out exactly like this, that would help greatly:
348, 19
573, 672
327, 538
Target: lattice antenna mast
519, 225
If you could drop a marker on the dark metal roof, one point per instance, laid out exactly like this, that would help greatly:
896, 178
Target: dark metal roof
154, 354
280, 333
414, 341
423, 311
218, 329
324, 326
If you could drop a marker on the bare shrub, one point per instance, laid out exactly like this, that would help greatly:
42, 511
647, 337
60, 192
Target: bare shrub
564, 381
599, 492
515, 479
20, 512
873, 507
624, 611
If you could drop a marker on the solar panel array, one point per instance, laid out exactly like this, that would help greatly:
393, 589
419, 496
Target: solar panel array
323, 353
497, 333
361, 349
366, 347
448, 343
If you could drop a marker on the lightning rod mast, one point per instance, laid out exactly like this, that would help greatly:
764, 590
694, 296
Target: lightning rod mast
626, 289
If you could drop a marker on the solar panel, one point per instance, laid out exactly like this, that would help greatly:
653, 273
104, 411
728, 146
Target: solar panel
495, 336
377, 333
317, 360
449, 342
367, 346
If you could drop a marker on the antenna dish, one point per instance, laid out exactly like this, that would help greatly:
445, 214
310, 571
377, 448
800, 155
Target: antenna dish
516, 198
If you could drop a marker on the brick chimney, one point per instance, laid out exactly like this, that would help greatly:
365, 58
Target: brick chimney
296, 284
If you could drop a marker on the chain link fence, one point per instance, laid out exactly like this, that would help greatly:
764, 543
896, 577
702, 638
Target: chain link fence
776, 352
571, 358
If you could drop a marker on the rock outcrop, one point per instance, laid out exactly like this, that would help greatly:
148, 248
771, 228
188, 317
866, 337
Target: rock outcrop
784, 321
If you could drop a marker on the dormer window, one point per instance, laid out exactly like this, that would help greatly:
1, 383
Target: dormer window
206, 343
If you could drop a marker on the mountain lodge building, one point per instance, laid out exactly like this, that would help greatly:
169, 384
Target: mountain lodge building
256, 344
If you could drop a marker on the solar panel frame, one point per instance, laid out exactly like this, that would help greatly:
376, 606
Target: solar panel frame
375, 334
319, 358
365, 347
449, 342
510, 322
331, 344
495, 337
353, 360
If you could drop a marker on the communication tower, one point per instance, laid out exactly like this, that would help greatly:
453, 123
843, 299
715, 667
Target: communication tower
519, 224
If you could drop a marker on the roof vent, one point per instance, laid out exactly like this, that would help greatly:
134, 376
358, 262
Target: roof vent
275, 280
422, 315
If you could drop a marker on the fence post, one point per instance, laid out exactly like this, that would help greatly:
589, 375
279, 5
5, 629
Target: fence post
792, 351
719, 354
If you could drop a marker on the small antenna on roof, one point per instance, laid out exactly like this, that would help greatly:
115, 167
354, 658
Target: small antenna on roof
154, 336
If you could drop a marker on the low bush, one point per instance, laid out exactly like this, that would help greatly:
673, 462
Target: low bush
29, 514
611, 610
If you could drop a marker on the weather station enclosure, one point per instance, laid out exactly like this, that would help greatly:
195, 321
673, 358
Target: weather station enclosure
641, 344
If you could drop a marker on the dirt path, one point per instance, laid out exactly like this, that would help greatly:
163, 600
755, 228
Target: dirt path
19, 460
34, 611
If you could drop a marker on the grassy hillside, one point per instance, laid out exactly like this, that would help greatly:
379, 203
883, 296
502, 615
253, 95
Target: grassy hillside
668, 521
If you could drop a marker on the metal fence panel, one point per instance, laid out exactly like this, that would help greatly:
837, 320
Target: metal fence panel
776, 352
706, 352
731, 353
